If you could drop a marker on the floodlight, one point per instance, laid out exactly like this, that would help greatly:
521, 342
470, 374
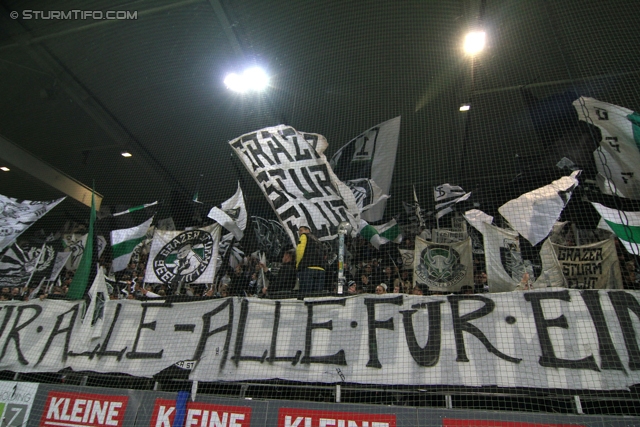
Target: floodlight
465, 107
252, 79
474, 42
5, 169
126, 154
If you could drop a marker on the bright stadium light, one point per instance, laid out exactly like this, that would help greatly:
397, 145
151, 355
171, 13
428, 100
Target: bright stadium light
5, 169
474, 42
126, 154
252, 79
465, 107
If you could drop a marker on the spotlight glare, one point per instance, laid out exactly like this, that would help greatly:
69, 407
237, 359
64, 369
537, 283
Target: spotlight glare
5, 169
235, 83
474, 42
252, 79
465, 107
126, 154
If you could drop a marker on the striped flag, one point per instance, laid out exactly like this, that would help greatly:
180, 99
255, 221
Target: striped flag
124, 241
380, 234
625, 225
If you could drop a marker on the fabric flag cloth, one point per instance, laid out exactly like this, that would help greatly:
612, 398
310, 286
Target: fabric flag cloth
447, 191
83, 273
453, 194
232, 214
136, 208
378, 235
229, 250
366, 192
18, 215
442, 267
407, 258
371, 155
183, 256
618, 156
93, 319
625, 225
74, 244
534, 213
291, 169
505, 266
19, 265
124, 241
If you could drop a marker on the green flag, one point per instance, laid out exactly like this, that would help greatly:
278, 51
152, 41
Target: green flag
83, 273
625, 225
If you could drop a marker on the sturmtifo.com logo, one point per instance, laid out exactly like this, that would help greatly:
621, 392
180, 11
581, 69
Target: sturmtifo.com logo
75, 14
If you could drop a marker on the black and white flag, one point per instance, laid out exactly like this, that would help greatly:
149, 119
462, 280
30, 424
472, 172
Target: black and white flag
370, 155
453, 194
18, 266
291, 169
232, 214
18, 215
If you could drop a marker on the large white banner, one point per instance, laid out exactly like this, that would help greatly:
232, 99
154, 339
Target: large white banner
183, 256
291, 169
565, 339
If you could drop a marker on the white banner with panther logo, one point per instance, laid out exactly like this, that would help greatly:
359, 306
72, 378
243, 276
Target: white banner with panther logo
291, 169
505, 266
183, 256
442, 267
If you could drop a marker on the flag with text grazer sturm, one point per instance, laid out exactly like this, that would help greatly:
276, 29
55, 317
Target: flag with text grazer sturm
443, 267
232, 214
291, 169
618, 156
534, 214
371, 155
625, 225
183, 256
18, 215
124, 242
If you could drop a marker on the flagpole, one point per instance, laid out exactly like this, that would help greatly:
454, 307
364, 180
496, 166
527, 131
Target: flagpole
136, 208
35, 267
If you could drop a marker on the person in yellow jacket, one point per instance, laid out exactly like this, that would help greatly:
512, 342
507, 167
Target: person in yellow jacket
309, 262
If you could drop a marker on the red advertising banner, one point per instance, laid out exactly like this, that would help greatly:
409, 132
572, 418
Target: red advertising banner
292, 417
449, 422
201, 414
64, 409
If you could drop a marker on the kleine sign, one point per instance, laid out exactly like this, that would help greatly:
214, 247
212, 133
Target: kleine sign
201, 414
292, 417
65, 409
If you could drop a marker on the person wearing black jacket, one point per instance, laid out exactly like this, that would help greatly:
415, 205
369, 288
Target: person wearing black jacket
285, 280
310, 262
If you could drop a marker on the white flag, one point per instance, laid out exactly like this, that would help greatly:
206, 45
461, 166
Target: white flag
232, 214
124, 241
183, 256
372, 154
618, 157
18, 215
366, 192
534, 213
447, 191
291, 169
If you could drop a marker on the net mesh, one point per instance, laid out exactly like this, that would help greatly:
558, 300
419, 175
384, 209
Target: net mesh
393, 222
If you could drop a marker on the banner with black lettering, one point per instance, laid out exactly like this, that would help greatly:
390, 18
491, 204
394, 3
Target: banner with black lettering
593, 266
510, 339
291, 169
442, 267
183, 256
